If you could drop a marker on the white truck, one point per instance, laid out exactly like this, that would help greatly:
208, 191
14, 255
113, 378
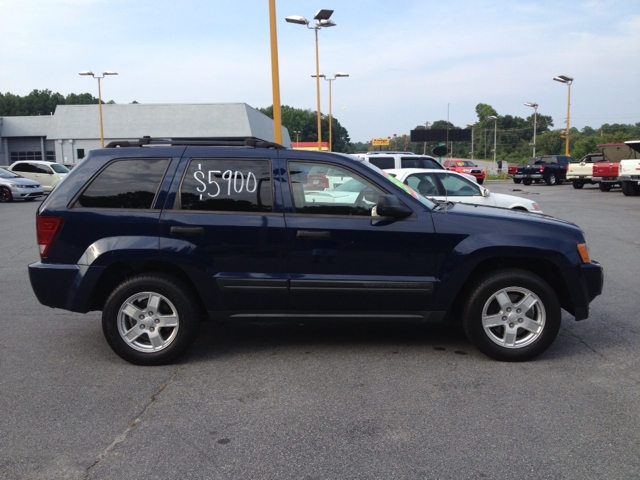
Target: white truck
629, 170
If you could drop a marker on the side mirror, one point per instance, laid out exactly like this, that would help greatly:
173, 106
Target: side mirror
390, 206
485, 192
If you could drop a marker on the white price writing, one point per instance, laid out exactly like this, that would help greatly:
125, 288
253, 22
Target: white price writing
235, 179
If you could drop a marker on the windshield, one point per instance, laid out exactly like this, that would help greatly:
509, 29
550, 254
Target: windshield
59, 168
428, 203
7, 174
464, 163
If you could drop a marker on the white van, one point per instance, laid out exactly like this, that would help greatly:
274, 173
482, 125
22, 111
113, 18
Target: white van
395, 160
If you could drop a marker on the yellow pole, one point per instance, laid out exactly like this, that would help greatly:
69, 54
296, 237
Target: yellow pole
275, 77
568, 112
330, 118
100, 107
318, 89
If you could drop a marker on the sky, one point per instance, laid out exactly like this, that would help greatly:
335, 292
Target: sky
409, 61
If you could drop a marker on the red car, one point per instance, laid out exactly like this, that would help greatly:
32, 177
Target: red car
465, 166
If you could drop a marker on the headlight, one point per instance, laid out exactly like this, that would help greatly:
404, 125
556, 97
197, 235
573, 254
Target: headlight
466, 170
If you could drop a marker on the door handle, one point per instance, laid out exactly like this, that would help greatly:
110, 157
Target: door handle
187, 230
314, 234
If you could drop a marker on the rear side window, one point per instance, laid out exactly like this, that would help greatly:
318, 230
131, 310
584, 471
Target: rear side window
382, 162
420, 162
22, 167
130, 184
227, 185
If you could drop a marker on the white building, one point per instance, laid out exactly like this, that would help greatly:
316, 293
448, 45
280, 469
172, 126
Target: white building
73, 130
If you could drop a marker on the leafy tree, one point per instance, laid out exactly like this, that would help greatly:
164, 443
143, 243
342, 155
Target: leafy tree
306, 122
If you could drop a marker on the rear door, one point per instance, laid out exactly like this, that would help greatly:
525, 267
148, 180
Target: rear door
223, 224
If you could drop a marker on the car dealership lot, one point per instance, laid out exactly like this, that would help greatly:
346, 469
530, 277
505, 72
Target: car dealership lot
361, 400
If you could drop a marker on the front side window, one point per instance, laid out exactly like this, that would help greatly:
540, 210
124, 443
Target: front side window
343, 192
130, 184
227, 185
59, 168
457, 186
37, 168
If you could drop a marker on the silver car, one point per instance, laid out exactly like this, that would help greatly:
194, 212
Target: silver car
14, 187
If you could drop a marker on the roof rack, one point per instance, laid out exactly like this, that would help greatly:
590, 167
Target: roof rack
209, 141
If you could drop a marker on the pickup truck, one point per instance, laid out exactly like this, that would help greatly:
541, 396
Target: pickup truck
550, 168
629, 171
581, 172
465, 166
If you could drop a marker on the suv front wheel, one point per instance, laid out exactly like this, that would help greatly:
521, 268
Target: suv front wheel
150, 319
512, 315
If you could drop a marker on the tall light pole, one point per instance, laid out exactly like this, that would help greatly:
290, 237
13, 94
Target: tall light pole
322, 18
297, 133
568, 80
339, 74
535, 123
275, 75
495, 137
470, 125
105, 73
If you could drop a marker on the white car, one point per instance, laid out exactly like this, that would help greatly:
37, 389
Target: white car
14, 187
454, 187
47, 174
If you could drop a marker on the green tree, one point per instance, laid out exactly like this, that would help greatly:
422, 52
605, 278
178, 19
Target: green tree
306, 122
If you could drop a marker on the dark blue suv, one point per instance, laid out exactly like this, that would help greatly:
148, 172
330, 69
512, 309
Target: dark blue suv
159, 235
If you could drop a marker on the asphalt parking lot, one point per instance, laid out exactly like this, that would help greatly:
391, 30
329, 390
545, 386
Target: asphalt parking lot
328, 401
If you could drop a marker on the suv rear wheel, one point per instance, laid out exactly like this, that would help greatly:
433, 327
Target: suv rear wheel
150, 319
512, 315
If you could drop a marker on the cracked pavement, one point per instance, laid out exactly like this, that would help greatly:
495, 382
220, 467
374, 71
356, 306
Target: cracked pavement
356, 400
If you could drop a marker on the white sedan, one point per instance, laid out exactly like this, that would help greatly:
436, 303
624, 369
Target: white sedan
452, 186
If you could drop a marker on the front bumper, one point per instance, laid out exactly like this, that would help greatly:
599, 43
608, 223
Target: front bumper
22, 193
591, 283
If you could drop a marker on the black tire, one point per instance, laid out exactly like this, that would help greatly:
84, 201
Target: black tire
530, 332
526, 182
577, 184
5, 195
176, 303
480, 181
605, 187
517, 180
630, 189
551, 179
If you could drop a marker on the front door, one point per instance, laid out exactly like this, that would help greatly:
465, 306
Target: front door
342, 257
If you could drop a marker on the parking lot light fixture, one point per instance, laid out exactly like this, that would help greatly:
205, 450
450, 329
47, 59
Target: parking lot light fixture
568, 80
322, 21
339, 74
104, 74
469, 125
535, 123
495, 137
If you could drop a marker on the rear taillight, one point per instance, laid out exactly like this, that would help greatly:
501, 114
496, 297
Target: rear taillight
48, 229
542, 168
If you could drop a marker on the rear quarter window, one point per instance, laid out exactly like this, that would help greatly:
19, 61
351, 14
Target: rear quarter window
126, 183
227, 185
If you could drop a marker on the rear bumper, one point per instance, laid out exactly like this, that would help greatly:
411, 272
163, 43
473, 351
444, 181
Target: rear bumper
68, 287
527, 175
